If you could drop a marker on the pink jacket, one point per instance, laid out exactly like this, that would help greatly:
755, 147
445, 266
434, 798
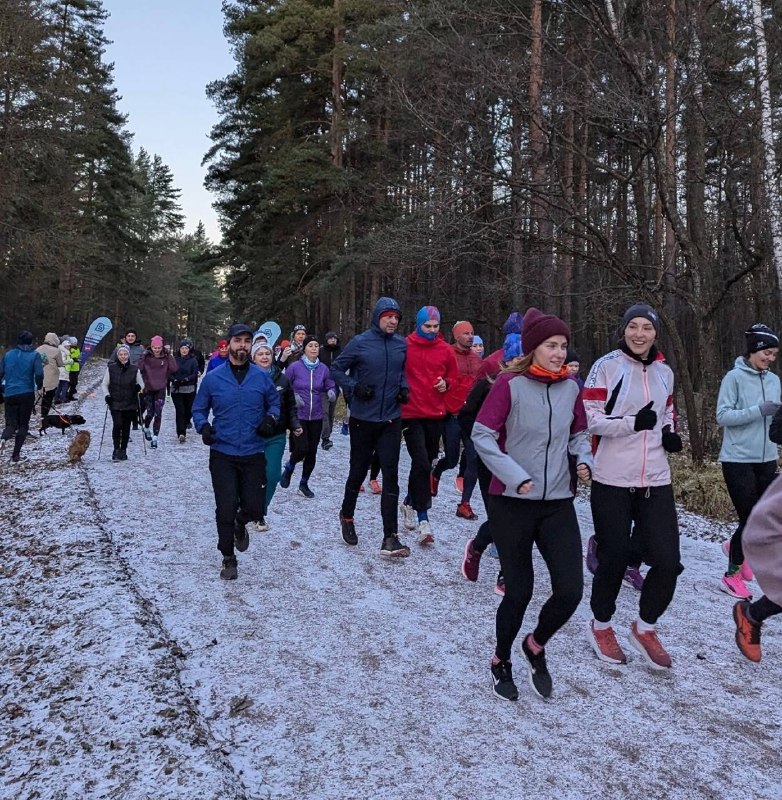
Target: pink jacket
617, 388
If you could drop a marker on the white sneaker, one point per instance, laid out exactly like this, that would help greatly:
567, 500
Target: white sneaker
425, 535
409, 517
154, 442
260, 525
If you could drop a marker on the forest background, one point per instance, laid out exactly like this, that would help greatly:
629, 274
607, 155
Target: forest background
577, 155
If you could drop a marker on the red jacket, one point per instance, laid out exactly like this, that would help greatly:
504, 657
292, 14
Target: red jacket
428, 360
467, 363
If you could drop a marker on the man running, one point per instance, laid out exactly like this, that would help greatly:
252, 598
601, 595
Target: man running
245, 408
370, 371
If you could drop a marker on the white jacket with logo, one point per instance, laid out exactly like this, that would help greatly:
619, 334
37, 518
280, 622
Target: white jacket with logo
617, 388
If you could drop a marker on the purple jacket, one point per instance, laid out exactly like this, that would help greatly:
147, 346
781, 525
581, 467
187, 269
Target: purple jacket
310, 387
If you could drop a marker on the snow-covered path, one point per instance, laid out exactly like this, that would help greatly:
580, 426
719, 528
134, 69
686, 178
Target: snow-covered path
131, 671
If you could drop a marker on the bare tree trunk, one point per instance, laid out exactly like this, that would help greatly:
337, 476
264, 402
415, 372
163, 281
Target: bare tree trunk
767, 135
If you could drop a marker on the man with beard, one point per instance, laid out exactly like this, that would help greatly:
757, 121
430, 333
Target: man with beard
245, 408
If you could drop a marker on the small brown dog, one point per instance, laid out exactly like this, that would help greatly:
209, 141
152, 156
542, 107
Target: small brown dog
78, 447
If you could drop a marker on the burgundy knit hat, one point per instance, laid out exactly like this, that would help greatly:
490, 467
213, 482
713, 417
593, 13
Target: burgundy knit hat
538, 327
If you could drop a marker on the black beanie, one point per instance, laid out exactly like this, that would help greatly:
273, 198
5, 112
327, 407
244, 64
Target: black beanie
641, 310
760, 337
24, 337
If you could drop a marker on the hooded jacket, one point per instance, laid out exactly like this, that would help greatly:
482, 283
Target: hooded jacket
428, 360
22, 370
328, 352
745, 430
525, 430
237, 408
618, 386
65, 357
155, 370
375, 359
52, 358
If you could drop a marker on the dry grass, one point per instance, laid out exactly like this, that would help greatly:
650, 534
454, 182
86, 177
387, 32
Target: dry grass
701, 489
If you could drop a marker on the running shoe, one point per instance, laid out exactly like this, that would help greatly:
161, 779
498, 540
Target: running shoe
502, 681
747, 632
471, 562
650, 647
605, 645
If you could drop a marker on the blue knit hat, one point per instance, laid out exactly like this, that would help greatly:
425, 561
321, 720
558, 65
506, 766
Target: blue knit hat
425, 313
512, 346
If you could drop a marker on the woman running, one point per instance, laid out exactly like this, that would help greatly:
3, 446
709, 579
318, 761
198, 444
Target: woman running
532, 419
629, 405
748, 399
313, 389
263, 356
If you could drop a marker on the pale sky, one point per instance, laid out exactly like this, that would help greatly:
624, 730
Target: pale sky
165, 52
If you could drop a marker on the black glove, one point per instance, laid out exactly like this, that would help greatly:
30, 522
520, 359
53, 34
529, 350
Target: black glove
176, 384
266, 428
403, 395
364, 391
646, 418
672, 442
108, 399
208, 435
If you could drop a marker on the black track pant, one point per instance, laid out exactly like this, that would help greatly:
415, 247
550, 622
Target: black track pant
746, 483
652, 509
483, 538
18, 408
381, 440
422, 437
183, 405
304, 448
120, 431
517, 525
239, 484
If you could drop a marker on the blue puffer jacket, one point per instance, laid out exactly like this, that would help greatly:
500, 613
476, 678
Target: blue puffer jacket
376, 359
22, 370
237, 408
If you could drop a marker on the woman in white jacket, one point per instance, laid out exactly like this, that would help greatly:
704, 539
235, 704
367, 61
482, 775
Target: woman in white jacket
628, 399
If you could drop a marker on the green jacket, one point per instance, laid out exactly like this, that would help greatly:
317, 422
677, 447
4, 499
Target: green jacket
74, 366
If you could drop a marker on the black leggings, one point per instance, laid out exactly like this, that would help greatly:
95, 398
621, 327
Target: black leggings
305, 447
422, 437
552, 525
120, 431
653, 510
746, 484
183, 404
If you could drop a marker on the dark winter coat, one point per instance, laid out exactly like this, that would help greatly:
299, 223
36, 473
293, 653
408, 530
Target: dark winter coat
184, 380
329, 353
289, 419
375, 359
123, 386
156, 370
22, 370
237, 408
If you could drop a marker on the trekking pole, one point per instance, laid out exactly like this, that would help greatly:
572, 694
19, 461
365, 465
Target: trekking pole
105, 417
141, 421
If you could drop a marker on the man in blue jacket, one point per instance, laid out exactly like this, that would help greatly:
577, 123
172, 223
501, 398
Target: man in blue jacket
21, 373
371, 373
245, 408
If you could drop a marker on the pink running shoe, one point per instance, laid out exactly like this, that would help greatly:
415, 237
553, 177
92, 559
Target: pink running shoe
746, 571
735, 587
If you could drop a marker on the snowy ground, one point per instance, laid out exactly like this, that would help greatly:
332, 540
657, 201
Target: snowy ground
129, 670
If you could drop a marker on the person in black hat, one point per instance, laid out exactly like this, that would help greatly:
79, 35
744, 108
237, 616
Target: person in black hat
328, 354
21, 373
245, 409
748, 400
183, 386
